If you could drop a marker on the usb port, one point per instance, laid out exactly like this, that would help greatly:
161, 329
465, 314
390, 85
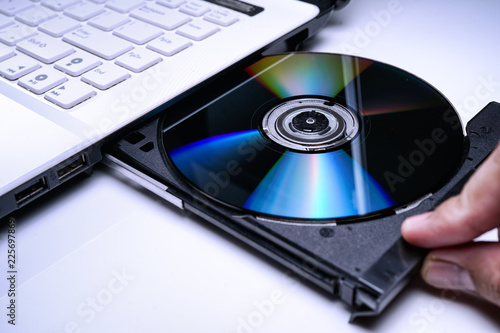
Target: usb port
31, 191
71, 168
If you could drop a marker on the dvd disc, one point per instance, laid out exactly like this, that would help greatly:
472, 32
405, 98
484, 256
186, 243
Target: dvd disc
313, 137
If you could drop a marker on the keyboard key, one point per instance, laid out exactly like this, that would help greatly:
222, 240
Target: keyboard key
84, 11
221, 17
160, 16
123, 6
5, 21
59, 26
109, 20
171, 3
15, 33
169, 45
195, 8
59, 5
20, 65
138, 32
42, 80
45, 48
78, 63
12, 7
98, 42
198, 30
35, 15
70, 94
105, 76
138, 60
6, 52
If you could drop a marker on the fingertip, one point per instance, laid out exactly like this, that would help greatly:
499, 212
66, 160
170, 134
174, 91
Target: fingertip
415, 227
415, 222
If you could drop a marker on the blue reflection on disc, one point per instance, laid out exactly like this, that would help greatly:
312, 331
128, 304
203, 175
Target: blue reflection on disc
318, 186
299, 185
199, 159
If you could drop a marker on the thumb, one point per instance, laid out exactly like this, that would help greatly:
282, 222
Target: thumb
473, 268
464, 217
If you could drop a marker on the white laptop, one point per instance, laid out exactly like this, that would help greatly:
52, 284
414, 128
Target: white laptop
73, 72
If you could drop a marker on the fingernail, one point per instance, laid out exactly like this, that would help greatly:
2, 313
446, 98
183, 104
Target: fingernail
415, 221
447, 275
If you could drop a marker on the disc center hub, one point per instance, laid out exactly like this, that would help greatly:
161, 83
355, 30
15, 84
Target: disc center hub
310, 121
310, 124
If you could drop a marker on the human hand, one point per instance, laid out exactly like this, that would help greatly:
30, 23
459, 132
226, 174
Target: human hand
457, 262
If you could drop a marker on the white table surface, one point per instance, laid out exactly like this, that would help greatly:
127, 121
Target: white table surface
102, 255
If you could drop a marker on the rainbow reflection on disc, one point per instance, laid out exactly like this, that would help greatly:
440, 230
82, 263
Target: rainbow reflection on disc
285, 191
274, 145
308, 186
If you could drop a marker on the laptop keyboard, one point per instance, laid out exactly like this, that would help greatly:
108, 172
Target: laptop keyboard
68, 51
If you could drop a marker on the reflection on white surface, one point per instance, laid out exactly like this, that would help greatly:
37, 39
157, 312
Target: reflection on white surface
130, 263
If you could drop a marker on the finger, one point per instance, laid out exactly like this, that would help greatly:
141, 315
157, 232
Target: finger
472, 268
463, 217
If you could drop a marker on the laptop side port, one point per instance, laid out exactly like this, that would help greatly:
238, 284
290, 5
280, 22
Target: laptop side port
72, 167
79, 164
31, 191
